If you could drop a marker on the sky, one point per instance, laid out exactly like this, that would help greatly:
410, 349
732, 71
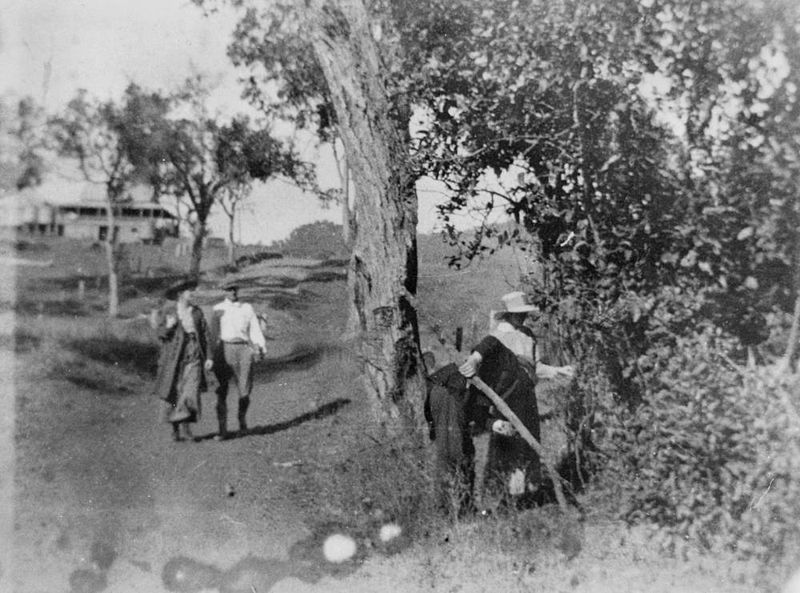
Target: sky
51, 48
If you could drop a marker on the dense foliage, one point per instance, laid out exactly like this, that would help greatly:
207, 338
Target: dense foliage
712, 452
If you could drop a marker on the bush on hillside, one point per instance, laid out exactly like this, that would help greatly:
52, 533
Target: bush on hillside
317, 240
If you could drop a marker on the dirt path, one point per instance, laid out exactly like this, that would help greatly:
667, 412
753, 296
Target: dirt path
96, 474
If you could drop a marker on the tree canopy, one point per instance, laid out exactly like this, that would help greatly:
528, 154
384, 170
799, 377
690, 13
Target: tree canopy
186, 152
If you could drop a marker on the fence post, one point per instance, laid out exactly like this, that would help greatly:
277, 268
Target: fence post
81, 290
473, 330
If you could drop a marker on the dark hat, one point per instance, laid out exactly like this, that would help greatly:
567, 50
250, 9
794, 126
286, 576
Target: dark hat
173, 291
231, 285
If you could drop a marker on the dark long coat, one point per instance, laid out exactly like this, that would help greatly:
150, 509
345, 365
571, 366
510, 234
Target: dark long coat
173, 341
452, 407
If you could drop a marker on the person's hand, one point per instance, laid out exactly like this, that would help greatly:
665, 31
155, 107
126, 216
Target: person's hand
470, 366
209, 364
262, 353
504, 428
170, 321
566, 371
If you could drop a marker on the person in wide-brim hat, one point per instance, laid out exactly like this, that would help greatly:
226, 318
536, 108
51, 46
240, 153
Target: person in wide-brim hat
510, 329
184, 359
517, 302
174, 290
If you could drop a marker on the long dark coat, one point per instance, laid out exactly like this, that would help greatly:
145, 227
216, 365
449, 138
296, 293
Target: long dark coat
451, 407
173, 341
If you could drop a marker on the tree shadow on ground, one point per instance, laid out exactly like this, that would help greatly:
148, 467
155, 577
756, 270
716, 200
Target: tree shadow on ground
141, 357
323, 411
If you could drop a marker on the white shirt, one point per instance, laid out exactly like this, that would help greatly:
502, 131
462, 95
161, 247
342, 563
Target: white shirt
524, 347
238, 323
519, 343
185, 318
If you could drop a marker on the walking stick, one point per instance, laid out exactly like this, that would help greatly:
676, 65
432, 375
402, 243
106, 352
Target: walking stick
525, 433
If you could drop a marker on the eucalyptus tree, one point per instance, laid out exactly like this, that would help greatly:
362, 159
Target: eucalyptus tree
327, 57
190, 154
91, 132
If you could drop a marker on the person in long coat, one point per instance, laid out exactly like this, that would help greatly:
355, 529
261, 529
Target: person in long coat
184, 358
507, 361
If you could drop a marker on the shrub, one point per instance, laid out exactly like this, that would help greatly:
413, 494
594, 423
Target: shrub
712, 453
319, 240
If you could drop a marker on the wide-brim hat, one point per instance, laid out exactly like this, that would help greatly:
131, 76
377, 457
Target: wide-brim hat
518, 302
173, 291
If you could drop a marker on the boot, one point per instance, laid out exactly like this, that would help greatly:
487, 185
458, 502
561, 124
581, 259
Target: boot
176, 432
222, 421
187, 431
244, 403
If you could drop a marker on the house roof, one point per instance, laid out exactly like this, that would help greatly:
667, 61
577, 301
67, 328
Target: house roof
74, 194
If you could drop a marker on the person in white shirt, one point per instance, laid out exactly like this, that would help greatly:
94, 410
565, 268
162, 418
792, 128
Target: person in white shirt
511, 331
517, 337
238, 338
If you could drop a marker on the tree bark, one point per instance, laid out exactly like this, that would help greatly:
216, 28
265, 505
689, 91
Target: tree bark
198, 234
112, 259
383, 266
231, 242
343, 170
347, 217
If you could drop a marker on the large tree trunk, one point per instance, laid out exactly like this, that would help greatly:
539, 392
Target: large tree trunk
198, 234
112, 260
344, 180
347, 217
231, 242
383, 265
